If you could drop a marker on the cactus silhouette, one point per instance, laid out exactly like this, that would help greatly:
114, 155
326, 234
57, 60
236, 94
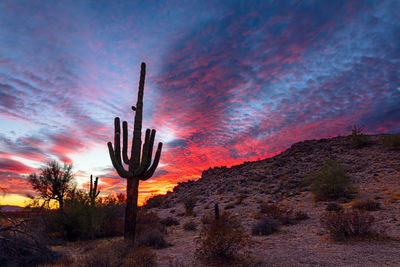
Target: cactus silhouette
93, 192
216, 211
139, 163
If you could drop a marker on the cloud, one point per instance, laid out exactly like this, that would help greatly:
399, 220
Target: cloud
227, 82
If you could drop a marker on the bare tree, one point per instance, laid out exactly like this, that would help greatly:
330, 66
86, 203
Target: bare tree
53, 182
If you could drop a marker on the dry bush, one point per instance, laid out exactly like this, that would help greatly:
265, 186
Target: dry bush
149, 230
176, 263
106, 254
207, 218
141, 257
358, 139
222, 241
368, 205
333, 206
23, 242
300, 216
155, 202
266, 226
343, 225
190, 226
392, 140
169, 221
189, 202
282, 214
230, 206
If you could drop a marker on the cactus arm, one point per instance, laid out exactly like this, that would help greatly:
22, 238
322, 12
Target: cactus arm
118, 167
95, 187
117, 140
125, 142
91, 188
142, 168
153, 167
152, 136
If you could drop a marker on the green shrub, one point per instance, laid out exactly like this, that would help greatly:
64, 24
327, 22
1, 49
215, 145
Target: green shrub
266, 226
392, 140
81, 221
222, 241
331, 182
343, 225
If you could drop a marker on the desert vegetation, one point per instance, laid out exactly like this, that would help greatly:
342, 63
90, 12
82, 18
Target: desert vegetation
331, 182
243, 219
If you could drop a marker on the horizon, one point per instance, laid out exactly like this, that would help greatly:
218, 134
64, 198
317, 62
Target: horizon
226, 82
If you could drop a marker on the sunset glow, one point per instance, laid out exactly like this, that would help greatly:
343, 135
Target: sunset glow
227, 82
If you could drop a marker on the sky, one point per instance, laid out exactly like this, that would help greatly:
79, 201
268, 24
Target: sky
227, 81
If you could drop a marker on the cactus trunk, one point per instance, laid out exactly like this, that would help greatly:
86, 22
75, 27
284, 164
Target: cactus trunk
140, 167
132, 188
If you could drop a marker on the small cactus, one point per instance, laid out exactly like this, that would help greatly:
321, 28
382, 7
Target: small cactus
93, 192
216, 211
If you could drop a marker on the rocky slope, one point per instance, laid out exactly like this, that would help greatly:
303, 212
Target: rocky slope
374, 169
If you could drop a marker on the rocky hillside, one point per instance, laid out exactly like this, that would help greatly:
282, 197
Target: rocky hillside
373, 168
281, 177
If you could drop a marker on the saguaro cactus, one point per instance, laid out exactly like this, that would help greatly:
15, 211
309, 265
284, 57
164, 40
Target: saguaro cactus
216, 211
93, 192
139, 163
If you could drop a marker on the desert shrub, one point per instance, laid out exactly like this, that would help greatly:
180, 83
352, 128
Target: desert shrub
331, 182
190, 226
169, 221
149, 230
358, 139
189, 203
333, 206
230, 206
141, 257
342, 225
392, 140
176, 263
23, 242
80, 221
155, 202
207, 218
151, 238
301, 215
222, 241
368, 205
282, 214
266, 226
106, 254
